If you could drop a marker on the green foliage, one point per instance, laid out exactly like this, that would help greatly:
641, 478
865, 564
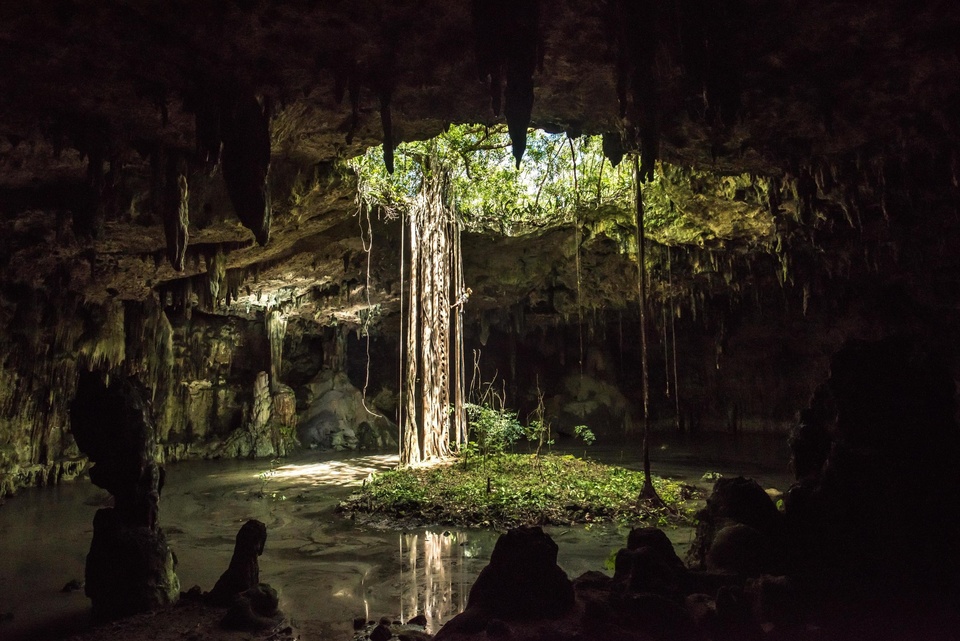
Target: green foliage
585, 434
538, 431
566, 180
571, 490
492, 430
560, 178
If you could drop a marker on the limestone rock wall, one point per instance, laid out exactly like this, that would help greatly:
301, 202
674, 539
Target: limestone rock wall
337, 416
203, 374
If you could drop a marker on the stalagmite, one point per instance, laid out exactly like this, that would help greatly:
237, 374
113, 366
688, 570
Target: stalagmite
129, 568
217, 276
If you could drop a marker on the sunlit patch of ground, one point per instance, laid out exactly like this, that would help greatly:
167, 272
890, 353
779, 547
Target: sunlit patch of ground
348, 473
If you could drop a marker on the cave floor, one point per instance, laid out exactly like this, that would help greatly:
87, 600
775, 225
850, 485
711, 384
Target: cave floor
328, 569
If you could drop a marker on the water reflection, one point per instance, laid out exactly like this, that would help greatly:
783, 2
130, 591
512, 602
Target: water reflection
437, 568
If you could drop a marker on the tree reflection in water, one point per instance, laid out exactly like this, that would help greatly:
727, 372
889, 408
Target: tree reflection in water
436, 572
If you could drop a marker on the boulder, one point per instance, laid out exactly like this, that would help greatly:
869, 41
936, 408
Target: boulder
337, 417
522, 583
734, 501
523, 580
739, 549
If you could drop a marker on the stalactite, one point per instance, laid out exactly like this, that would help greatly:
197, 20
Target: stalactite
488, 38
613, 147
246, 163
173, 199
88, 214
637, 86
353, 88
276, 327
217, 276
207, 107
105, 349
506, 40
387, 123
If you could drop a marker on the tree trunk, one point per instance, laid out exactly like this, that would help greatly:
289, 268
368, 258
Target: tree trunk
432, 250
410, 450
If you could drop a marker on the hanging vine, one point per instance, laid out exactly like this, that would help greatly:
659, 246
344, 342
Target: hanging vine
366, 240
673, 339
648, 493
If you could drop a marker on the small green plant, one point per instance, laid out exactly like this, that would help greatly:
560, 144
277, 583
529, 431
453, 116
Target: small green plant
585, 434
538, 427
265, 477
492, 429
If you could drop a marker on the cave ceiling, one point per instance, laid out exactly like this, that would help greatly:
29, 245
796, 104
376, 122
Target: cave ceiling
105, 104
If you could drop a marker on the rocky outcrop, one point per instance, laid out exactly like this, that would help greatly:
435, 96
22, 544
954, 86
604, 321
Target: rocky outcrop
738, 531
522, 583
129, 567
269, 429
338, 417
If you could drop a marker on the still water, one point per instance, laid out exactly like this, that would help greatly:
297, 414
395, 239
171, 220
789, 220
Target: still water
328, 569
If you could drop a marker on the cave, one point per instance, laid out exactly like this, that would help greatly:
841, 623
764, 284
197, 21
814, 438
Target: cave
725, 233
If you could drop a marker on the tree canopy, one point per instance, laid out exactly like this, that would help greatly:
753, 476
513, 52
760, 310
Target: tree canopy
559, 178
564, 180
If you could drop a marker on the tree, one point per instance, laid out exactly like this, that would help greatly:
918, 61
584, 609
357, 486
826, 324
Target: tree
433, 269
